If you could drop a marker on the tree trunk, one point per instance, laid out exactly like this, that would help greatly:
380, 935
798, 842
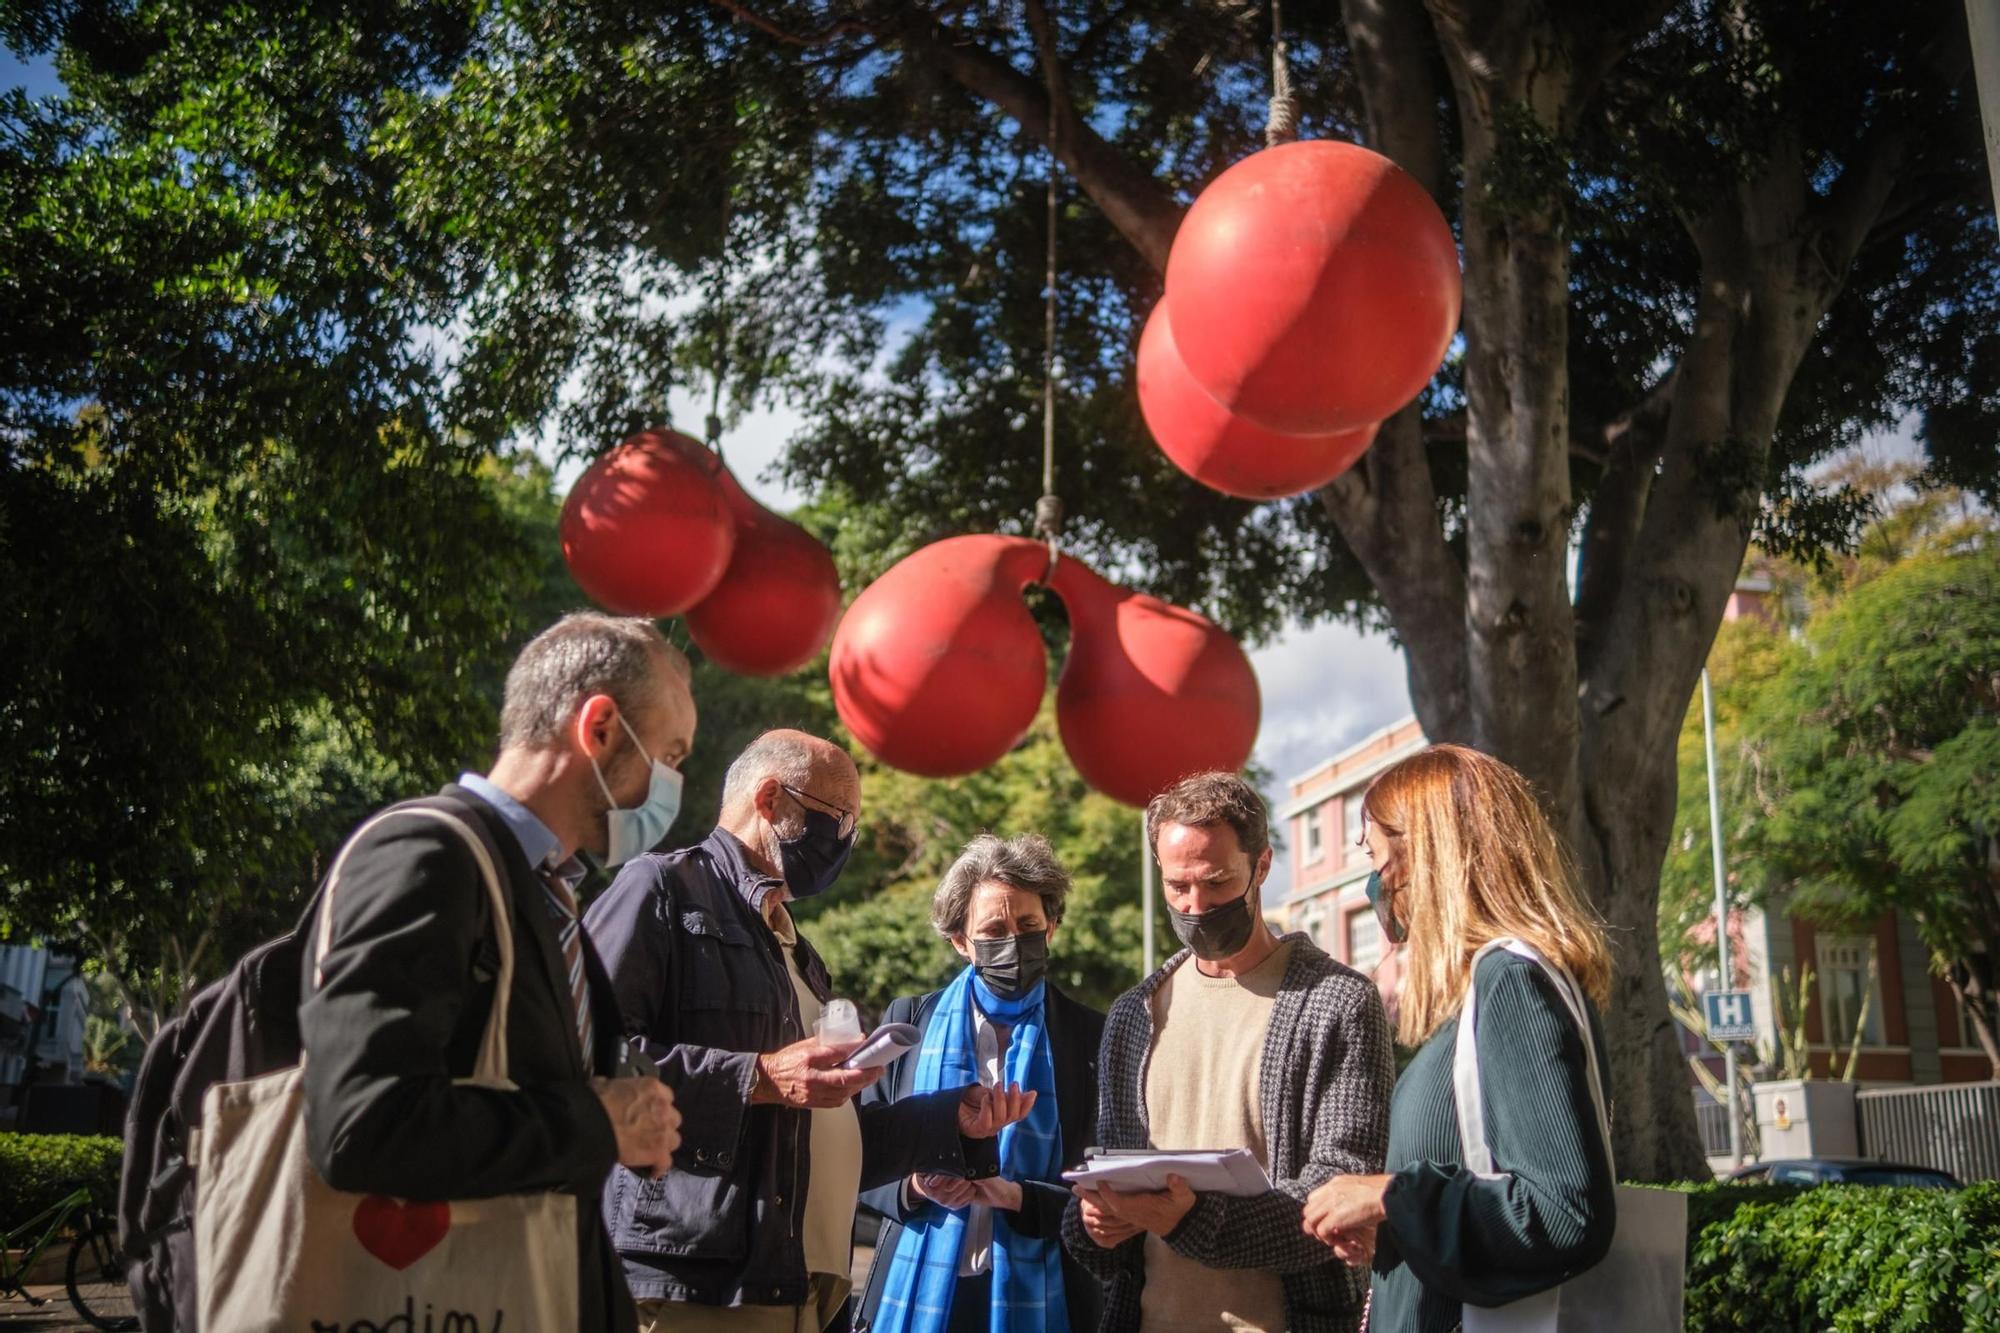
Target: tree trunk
1977, 1003
1515, 86
1629, 821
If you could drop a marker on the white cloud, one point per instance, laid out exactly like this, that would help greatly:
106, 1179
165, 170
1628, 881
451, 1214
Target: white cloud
750, 450
1324, 688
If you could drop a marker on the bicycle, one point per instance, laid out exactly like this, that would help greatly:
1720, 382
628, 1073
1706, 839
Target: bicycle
95, 1272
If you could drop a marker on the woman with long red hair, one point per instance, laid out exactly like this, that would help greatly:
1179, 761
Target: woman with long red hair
1471, 878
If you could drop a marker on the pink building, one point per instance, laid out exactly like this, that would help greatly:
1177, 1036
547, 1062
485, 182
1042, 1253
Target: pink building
1327, 897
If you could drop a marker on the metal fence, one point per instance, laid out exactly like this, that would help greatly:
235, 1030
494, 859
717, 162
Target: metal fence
1953, 1127
1713, 1117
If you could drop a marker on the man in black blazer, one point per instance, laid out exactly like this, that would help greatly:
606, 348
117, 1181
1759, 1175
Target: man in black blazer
596, 720
998, 906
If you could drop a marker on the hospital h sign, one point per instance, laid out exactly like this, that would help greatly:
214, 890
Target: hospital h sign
1728, 1014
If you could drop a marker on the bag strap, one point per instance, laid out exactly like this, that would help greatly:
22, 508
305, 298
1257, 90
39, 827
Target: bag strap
1466, 1090
491, 1065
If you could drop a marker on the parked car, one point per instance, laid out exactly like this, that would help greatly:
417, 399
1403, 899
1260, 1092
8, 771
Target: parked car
1843, 1171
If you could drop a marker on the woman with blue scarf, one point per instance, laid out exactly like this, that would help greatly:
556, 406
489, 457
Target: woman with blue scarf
986, 1256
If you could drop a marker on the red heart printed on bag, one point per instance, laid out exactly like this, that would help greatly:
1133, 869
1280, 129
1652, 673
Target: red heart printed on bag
400, 1233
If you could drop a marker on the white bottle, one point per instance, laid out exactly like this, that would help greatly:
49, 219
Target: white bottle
838, 1023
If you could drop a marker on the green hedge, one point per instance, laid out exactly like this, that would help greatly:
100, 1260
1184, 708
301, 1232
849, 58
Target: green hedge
1844, 1257
37, 1170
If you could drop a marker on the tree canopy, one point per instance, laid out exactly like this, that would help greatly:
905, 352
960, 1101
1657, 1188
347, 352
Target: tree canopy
1858, 747
234, 540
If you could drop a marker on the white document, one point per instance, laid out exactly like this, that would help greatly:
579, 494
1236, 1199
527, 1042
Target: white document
1233, 1171
884, 1045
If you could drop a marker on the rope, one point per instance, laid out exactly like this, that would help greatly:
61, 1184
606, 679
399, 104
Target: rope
1281, 121
1049, 509
719, 360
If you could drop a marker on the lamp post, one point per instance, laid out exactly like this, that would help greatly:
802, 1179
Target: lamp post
1721, 914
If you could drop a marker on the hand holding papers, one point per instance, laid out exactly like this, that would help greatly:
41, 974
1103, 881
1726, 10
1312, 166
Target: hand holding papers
1233, 1171
884, 1045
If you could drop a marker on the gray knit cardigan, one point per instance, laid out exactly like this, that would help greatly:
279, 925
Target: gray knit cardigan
1325, 1080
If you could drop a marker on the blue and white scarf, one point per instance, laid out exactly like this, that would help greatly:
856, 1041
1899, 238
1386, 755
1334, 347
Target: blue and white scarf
1027, 1270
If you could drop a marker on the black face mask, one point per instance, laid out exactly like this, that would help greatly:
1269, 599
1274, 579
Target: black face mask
1395, 930
1220, 932
812, 861
1012, 965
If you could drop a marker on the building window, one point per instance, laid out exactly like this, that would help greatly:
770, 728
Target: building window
1314, 924
1352, 835
1850, 997
1364, 940
1315, 839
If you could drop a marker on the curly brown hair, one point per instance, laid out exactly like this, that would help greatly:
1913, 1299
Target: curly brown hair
1212, 798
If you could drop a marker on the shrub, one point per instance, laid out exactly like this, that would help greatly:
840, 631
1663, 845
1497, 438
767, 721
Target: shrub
37, 1170
1847, 1257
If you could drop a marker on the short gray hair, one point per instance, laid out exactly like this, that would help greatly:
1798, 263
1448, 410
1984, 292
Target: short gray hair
583, 654
786, 756
1025, 861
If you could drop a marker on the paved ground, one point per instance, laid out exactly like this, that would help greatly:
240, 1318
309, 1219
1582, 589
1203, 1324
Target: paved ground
55, 1317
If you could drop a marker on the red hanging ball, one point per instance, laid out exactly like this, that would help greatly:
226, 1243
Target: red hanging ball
937, 667
777, 603
1224, 452
1315, 288
1151, 692
645, 530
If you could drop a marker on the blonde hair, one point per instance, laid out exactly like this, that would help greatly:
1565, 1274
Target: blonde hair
1479, 862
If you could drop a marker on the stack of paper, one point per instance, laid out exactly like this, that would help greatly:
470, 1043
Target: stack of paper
1233, 1171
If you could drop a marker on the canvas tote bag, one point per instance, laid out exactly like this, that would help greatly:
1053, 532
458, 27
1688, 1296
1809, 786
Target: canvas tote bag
277, 1250
1638, 1288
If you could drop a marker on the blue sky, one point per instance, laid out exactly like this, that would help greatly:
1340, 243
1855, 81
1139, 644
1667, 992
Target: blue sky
36, 74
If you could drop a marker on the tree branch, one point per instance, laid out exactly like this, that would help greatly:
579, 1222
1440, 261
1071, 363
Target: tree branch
1385, 507
826, 36
1592, 38
1391, 41
1636, 441
1062, 108
1881, 162
1131, 198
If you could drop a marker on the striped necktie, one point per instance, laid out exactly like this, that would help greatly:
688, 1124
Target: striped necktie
569, 933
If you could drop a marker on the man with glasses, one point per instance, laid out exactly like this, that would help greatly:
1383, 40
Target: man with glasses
752, 1229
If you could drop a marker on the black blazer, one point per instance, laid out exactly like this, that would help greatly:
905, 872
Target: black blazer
398, 1012
1075, 1031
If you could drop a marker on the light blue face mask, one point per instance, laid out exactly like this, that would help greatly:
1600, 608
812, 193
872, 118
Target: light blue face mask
638, 830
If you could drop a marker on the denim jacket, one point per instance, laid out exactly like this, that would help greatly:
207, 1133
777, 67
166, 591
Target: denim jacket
703, 988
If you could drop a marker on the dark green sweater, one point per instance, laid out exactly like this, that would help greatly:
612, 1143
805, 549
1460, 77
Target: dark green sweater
1452, 1238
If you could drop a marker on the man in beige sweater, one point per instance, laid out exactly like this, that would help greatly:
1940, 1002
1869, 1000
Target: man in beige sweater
1243, 1040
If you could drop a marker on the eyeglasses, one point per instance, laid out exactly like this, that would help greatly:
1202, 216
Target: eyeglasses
840, 812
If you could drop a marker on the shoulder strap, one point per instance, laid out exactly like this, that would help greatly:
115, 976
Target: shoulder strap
491, 1065
1466, 1090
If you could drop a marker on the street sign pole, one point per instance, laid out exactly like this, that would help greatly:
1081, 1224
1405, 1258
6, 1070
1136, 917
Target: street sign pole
1728, 982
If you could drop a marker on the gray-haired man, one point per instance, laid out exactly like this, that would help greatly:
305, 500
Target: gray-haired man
596, 721
752, 1230
1242, 1040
